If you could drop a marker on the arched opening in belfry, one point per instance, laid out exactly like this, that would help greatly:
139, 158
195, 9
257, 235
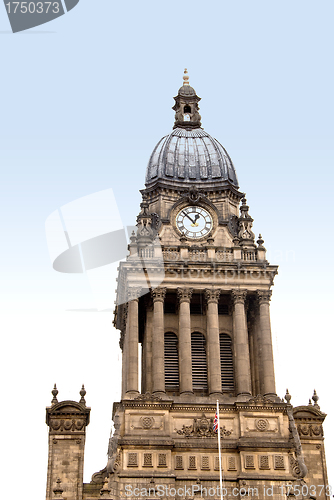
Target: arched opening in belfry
172, 381
186, 113
198, 363
226, 362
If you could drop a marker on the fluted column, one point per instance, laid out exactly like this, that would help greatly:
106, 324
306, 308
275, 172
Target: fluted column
186, 384
132, 343
214, 370
241, 346
158, 358
265, 344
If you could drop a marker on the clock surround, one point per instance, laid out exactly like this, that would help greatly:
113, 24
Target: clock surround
194, 222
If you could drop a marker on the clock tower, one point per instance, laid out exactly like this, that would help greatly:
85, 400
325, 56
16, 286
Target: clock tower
193, 311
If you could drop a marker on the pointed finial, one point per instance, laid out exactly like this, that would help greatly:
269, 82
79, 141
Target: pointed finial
315, 398
185, 77
287, 397
82, 394
309, 402
260, 241
54, 393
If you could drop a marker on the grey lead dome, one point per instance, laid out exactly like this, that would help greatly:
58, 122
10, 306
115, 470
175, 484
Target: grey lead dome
190, 156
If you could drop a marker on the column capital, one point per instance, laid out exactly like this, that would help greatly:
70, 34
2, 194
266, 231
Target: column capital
238, 296
212, 295
263, 296
158, 294
184, 294
134, 293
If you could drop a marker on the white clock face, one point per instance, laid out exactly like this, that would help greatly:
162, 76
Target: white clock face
194, 222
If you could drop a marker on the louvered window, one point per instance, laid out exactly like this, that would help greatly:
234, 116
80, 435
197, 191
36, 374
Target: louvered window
226, 362
198, 362
171, 362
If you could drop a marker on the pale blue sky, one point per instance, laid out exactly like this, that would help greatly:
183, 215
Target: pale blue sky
84, 101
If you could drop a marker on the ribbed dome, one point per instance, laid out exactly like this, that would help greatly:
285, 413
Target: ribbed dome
190, 156
186, 90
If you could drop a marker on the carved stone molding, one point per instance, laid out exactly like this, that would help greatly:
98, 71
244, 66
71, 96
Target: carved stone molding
262, 424
158, 294
212, 296
310, 430
193, 195
67, 417
99, 477
261, 400
66, 425
184, 294
294, 466
147, 422
239, 296
202, 427
264, 296
147, 397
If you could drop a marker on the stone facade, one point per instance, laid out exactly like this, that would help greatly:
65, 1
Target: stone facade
194, 294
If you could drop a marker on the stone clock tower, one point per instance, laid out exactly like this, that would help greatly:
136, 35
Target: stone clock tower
193, 310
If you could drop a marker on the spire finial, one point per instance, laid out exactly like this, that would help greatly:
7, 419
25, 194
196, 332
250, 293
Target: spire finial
185, 77
82, 394
315, 398
287, 397
54, 393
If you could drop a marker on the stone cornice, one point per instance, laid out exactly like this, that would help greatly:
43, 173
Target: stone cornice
308, 412
164, 187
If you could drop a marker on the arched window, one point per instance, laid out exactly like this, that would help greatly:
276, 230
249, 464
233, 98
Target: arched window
198, 362
226, 362
171, 362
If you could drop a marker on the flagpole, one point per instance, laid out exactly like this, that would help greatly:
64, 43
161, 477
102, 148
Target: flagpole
220, 456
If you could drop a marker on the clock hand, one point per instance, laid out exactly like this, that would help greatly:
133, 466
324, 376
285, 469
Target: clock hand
193, 221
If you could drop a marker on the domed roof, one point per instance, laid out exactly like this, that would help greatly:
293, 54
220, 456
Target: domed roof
191, 157
186, 90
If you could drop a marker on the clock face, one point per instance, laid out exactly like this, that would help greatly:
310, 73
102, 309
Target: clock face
194, 222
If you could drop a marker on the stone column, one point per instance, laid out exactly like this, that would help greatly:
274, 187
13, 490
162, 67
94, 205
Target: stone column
158, 340
186, 383
265, 344
214, 370
132, 341
240, 340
